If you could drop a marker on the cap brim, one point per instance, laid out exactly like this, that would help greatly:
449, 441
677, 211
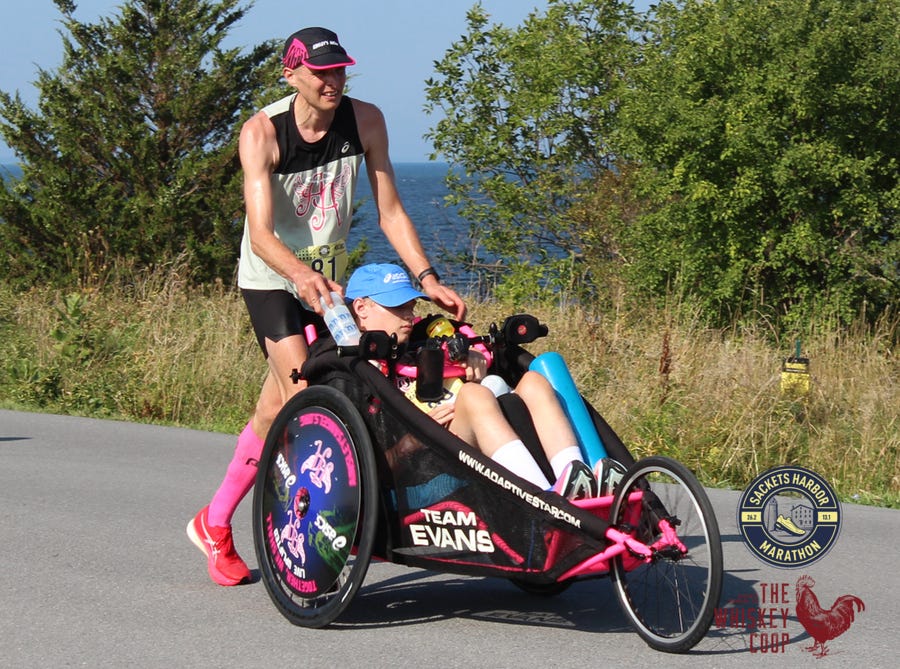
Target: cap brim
395, 298
329, 61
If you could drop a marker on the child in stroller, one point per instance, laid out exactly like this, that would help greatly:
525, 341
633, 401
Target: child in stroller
383, 299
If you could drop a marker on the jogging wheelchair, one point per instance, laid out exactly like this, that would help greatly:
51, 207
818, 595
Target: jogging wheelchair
352, 470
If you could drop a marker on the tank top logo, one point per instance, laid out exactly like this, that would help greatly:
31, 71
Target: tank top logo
320, 195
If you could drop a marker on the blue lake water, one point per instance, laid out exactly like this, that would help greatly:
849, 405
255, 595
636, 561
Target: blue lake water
422, 189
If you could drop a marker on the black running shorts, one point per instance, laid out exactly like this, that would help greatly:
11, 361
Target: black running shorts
276, 314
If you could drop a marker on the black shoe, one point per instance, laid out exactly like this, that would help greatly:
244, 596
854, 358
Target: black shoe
608, 473
576, 482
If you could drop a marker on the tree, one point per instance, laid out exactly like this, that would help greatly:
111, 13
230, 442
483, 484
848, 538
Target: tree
526, 120
131, 157
767, 138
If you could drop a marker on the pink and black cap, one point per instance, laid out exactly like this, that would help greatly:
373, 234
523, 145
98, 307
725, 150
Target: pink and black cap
316, 48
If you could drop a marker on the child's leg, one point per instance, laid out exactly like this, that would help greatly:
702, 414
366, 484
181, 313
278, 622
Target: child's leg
516, 458
478, 420
553, 427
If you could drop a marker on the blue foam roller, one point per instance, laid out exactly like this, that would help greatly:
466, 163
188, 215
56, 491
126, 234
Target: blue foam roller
553, 368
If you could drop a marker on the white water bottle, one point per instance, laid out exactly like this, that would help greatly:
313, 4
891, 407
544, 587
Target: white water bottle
340, 321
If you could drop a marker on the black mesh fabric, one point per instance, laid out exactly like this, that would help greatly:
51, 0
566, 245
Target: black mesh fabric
447, 506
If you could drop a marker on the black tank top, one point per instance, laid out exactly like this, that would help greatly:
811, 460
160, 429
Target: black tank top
297, 155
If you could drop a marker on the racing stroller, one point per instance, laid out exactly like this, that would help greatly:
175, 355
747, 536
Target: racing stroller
351, 469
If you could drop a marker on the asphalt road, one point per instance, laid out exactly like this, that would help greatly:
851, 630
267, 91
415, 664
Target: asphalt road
97, 571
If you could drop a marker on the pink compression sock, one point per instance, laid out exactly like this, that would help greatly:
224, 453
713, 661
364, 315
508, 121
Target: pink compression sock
238, 479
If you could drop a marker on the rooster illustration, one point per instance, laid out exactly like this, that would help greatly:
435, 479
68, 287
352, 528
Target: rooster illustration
824, 624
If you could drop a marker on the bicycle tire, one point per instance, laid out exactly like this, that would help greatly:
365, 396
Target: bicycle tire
317, 480
671, 601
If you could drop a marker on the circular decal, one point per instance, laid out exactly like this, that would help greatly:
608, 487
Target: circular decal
789, 517
312, 502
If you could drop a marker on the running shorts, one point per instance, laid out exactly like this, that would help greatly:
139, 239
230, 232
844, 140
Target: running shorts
276, 314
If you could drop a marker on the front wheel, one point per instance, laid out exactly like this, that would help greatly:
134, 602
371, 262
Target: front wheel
315, 506
670, 600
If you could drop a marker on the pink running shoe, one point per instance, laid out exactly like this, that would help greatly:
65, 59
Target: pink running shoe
225, 566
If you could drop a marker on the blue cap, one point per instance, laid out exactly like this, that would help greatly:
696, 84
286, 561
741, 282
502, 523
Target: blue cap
386, 284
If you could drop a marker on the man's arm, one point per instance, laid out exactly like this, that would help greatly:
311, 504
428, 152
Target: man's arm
392, 217
258, 150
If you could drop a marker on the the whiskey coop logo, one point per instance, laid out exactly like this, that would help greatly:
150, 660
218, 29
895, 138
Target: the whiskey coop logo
768, 618
789, 517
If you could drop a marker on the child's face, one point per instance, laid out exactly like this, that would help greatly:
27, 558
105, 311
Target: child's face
394, 320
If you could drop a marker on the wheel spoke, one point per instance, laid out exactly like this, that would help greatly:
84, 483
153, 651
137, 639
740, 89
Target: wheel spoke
670, 600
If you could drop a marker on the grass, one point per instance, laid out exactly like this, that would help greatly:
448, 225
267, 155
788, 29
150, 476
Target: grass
161, 351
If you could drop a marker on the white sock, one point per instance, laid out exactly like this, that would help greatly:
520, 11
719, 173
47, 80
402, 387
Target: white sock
496, 384
517, 459
561, 460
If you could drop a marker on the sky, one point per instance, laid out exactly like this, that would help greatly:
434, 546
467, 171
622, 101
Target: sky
394, 42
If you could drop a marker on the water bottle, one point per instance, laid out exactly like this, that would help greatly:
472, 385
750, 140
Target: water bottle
340, 321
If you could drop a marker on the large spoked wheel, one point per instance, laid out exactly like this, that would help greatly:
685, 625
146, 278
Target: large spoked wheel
672, 599
315, 507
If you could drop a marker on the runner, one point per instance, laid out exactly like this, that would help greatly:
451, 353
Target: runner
301, 158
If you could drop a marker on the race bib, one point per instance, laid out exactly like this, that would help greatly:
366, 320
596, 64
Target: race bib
329, 260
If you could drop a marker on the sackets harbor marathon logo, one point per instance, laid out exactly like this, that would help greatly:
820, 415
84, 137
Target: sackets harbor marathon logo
789, 517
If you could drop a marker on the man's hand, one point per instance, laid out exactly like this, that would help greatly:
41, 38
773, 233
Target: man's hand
311, 285
446, 298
